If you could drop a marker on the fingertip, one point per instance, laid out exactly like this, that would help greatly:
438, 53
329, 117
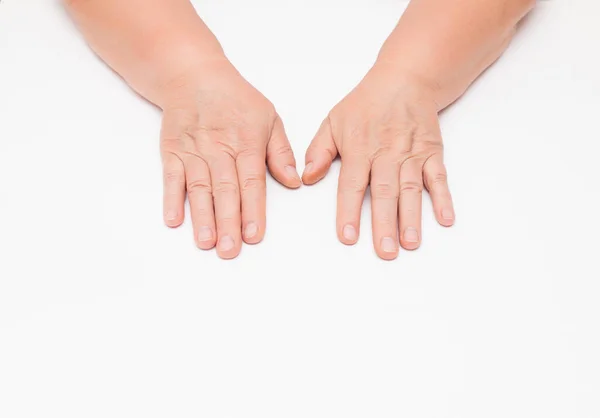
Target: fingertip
227, 248
292, 178
387, 249
205, 238
387, 256
307, 174
173, 218
319, 155
291, 172
447, 217
286, 175
410, 246
253, 234
205, 246
410, 239
348, 235
313, 173
446, 223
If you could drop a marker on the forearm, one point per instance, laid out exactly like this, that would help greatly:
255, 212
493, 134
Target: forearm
448, 43
148, 42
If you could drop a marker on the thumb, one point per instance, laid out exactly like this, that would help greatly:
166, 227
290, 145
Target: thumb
320, 154
280, 157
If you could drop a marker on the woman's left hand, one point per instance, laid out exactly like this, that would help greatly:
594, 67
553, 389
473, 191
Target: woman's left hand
387, 134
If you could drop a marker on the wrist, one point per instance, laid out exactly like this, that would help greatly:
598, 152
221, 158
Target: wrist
409, 80
185, 80
161, 62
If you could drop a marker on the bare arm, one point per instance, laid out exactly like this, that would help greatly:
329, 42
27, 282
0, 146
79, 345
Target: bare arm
449, 43
148, 42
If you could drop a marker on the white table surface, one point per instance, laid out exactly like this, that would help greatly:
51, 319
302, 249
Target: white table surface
105, 312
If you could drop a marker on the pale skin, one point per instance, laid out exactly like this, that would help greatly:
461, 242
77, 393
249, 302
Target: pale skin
219, 134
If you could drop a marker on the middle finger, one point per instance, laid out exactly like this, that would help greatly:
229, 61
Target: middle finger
385, 189
226, 195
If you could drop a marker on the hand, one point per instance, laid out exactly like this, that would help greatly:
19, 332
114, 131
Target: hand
217, 133
387, 134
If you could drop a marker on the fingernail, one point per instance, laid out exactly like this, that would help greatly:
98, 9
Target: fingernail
226, 243
309, 168
411, 235
291, 170
448, 214
171, 215
349, 233
205, 234
251, 230
388, 245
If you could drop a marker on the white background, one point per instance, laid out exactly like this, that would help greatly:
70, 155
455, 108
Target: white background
105, 312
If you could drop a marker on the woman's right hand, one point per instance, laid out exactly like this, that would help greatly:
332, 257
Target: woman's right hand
218, 132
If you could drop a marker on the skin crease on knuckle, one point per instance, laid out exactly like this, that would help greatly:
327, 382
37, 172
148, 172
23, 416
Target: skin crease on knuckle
226, 186
352, 185
254, 182
410, 187
174, 177
437, 180
384, 191
199, 186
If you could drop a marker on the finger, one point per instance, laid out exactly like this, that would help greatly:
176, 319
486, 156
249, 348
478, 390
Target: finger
199, 190
252, 178
280, 157
226, 197
173, 189
353, 182
436, 181
321, 152
385, 189
411, 199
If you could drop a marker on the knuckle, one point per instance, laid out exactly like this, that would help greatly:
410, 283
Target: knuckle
384, 191
174, 177
439, 178
353, 186
253, 183
276, 150
283, 149
410, 187
226, 186
199, 186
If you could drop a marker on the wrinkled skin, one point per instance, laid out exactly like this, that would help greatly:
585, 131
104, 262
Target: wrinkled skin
217, 133
387, 134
